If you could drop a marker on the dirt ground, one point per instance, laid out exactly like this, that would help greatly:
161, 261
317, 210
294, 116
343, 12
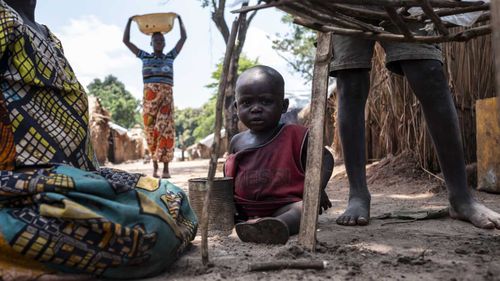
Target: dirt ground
436, 249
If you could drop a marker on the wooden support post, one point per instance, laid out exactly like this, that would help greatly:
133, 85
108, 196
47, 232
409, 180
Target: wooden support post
215, 146
312, 182
495, 39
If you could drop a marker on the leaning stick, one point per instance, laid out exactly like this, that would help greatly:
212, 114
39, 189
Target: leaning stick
448, 12
408, 3
380, 3
461, 36
399, 22
261, 6
328, 10
280, 265
215, 146
321, 16
426, 6
314, 162
360, 12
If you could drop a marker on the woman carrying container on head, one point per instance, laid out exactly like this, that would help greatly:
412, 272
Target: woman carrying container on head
158, 105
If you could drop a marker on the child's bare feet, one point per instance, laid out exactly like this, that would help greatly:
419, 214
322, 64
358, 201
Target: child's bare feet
265, 230
476, 213
357, 212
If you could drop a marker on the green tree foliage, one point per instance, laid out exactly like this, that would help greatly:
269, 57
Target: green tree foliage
297, 47
185, 123
206, 119
123, 107
243, 64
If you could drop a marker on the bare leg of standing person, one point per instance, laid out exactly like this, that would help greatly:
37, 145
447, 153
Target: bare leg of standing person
155, 169
166, 172
353, 86
428, 81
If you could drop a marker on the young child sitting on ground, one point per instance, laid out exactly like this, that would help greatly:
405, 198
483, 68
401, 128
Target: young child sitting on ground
268, 161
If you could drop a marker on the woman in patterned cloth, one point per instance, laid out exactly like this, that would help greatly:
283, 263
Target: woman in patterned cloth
59, 212
158, 103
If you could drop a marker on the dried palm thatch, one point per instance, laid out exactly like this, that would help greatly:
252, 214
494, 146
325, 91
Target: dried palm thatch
366, 18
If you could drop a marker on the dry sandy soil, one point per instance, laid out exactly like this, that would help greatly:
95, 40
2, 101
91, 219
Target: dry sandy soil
436, 249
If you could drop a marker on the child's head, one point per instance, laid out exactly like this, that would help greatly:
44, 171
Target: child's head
158, 42
260, 98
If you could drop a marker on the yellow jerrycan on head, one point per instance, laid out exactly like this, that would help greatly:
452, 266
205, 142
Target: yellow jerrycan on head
156, 22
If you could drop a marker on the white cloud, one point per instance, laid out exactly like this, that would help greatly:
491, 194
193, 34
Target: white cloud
258, 45
94, 49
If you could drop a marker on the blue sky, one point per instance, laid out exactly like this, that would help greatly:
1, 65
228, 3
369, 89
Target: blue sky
91, 32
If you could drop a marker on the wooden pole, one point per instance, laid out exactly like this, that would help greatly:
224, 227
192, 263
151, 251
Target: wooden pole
495, 36
216, 144
312, 182
495, 39
461, 36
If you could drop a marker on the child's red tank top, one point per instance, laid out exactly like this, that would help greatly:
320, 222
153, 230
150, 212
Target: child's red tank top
269, 176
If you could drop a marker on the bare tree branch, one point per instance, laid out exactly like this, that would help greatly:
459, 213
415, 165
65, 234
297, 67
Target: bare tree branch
219, 20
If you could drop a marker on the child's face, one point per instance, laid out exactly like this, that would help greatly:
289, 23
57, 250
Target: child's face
260, 105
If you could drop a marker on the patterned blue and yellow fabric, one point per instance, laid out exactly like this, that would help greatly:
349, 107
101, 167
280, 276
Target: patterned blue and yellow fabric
107, 223
43, 107
59, 212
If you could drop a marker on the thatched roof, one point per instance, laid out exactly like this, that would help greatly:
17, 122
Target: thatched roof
366, 18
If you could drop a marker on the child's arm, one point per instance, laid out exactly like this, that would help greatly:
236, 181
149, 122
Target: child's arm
326, 173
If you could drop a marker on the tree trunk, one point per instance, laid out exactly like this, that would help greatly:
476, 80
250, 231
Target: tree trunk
230, 116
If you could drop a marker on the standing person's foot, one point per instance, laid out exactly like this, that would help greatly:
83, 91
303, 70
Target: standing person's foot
166, 173
264, 231
155, 169
475, 213
357, 212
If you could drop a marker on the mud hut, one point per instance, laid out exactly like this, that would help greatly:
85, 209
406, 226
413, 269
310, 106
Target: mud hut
125, 145
99, 129
203, 148
110, 141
